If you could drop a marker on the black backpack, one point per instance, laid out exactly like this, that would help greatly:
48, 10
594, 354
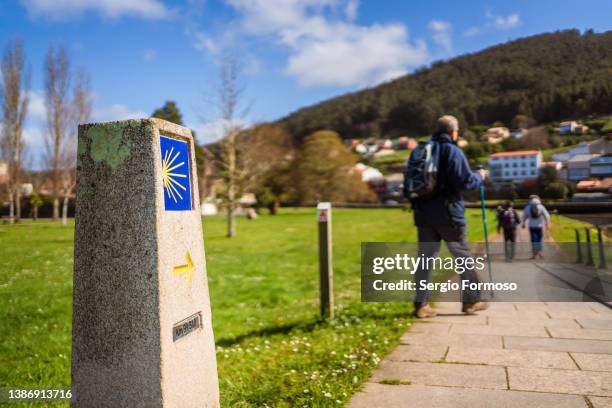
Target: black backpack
421, 175
535, 211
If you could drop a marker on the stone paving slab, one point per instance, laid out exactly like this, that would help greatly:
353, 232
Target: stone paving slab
432, 353
430, 327
569, 345
601, 402
500, 330
420, 396
511, 358
595, 362
465, 340
588, 334
494, 310
595, 324
459, 318
450, 375
577, 314
562, 323
561, 381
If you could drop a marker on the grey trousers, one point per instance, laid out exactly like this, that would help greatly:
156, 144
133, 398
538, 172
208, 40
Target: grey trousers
429, 246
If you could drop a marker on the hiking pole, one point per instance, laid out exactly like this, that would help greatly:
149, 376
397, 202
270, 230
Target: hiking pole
486, 229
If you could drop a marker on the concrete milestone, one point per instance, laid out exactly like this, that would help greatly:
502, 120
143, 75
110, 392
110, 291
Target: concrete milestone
142, 334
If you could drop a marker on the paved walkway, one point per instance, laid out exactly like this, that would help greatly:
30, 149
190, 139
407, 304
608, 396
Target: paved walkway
523, 354
513, 354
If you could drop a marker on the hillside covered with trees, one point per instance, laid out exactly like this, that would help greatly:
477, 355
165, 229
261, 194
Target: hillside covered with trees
547, 77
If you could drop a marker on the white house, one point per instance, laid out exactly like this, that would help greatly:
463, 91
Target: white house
367, 173
515, 166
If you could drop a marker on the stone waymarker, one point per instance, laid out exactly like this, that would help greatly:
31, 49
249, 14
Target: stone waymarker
326, 274
142, 334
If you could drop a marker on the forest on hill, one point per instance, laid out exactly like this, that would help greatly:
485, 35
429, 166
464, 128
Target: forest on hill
548, 77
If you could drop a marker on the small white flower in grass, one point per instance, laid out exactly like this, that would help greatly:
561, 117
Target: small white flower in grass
333, 353
355, 379
328, 395
338, 402
306, 391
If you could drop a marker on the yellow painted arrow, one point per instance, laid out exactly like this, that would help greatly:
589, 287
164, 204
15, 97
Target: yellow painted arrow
186, 269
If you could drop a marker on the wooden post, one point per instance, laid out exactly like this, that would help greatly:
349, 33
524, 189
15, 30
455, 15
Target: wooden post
326, 274
589, 261
578, 247
602, 254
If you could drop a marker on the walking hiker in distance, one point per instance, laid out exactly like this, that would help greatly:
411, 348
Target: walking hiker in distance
536, 217
436, 174
507, 220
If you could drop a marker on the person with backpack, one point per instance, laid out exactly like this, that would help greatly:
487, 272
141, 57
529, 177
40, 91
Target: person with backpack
536, 217
508, 219
436, 174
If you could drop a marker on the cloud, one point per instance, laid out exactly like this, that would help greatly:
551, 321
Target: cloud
117, 112
351, 9
355, 56
204, 42
494, 22
62, 9
441, 34
213, 131
37, 110
505, 23
331, 52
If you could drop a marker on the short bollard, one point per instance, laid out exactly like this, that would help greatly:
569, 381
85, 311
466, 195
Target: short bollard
326, 274
589, 260
602, 254
578, 247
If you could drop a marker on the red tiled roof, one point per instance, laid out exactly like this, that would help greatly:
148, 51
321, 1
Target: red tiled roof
513, 154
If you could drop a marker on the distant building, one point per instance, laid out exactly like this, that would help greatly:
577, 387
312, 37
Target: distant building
567, 128
367, 173
579, 167
497, 134
402, 142
572, 128
595, 185
3, 172
361, 148
599, 146
554, 164
601, 166
515, 166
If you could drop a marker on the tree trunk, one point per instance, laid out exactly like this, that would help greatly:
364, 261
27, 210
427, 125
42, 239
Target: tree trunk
231, 223
56, 214
65, 210
275, 206
11, 208
35, 213
18, 205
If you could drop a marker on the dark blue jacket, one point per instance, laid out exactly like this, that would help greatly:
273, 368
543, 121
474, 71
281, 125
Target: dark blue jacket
454, 176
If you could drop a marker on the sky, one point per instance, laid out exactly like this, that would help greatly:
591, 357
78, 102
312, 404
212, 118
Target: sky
140, 53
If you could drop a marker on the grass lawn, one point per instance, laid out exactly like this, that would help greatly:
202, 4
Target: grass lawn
271, 348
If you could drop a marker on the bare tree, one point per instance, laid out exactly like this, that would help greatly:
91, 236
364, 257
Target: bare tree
14, 89
80, 113
228, 100
57, 100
